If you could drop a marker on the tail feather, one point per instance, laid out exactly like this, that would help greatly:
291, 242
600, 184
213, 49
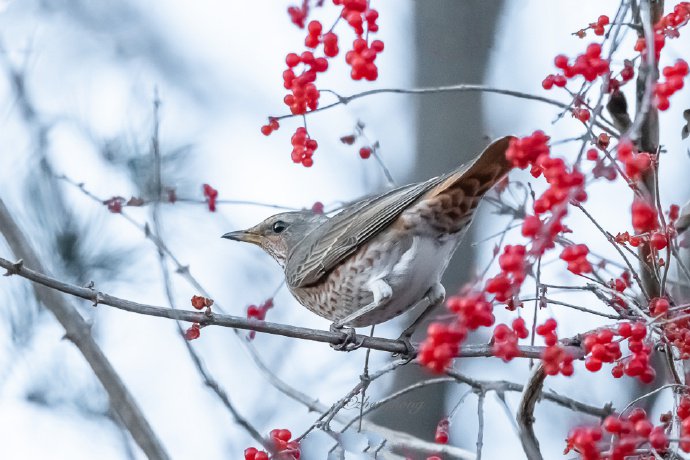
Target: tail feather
449, 207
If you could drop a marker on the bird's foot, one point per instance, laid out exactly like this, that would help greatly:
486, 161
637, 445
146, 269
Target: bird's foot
350, 341
410, 352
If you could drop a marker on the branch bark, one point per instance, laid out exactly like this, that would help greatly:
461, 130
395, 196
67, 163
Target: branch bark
335, 338
78, 332
525, 414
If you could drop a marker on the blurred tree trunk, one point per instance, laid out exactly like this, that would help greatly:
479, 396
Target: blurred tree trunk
453, 43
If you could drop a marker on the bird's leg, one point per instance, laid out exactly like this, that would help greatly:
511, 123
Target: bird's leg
434, 296
382, 293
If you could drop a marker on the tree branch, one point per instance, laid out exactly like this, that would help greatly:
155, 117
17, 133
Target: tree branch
525, 415
78, 332
375, 343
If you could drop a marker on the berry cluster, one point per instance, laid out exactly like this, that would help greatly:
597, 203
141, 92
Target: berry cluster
441, 345
674, 82
576, 257
272, 125
303, 147
635, 163
302, 69
304, 94
362, 58
637, 364
555, 358
211, 195
115, 204
667, 26
443, 340
284, 448
598, 27
629, 433
505, 339
258, 313
644, 216
590, 65
506, 284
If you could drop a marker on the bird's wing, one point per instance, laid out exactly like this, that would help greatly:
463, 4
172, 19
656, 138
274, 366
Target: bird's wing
340, 236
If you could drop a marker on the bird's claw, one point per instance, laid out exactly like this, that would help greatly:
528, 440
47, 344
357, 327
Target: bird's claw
410, 352
350, 341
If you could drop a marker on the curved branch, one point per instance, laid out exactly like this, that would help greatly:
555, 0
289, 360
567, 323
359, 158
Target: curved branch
79, 332
335, 338
525, 415
461, 88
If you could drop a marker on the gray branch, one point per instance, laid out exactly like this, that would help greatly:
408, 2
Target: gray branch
78, 332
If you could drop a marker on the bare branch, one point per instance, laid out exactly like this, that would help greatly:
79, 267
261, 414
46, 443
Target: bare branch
78, 332
375, 343
525, 415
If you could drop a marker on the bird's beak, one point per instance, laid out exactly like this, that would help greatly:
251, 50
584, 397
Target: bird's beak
243, 235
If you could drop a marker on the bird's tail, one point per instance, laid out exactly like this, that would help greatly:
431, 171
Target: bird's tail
459, 193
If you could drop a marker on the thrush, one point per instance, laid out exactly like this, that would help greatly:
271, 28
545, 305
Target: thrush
382, 255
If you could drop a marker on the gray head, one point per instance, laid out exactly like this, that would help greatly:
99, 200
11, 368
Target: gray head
279, 234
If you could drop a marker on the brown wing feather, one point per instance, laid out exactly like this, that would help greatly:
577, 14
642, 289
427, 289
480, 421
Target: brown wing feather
341, 235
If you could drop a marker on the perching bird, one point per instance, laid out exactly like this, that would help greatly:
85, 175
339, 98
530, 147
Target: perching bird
382, 255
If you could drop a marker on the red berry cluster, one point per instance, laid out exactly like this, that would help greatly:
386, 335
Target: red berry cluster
635, 163
362, 58
524, 151
644, 216
252, 453
555, 358
677, 332
441, 435
505, 339
667, 26
211, 195
283, 446
258, 313
602, 349
441, 345
674, 82
298, 14
548, 332
590, 65
628, 434
637, 364
507, 284
576, 257
598, 27
473, 310
557, 361
304, 96
272, 125
659, 306
443, 340
303, 147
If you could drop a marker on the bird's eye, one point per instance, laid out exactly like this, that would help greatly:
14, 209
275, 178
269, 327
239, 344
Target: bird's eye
279, 226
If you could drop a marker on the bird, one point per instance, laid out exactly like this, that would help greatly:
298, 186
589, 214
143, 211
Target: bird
384, 254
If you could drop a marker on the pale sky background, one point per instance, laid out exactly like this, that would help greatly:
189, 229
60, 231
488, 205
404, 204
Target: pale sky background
92, 68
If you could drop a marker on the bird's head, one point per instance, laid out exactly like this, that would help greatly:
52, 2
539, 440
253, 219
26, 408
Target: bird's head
279, 234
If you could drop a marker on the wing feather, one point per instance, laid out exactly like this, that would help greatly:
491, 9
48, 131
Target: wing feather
335, 240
